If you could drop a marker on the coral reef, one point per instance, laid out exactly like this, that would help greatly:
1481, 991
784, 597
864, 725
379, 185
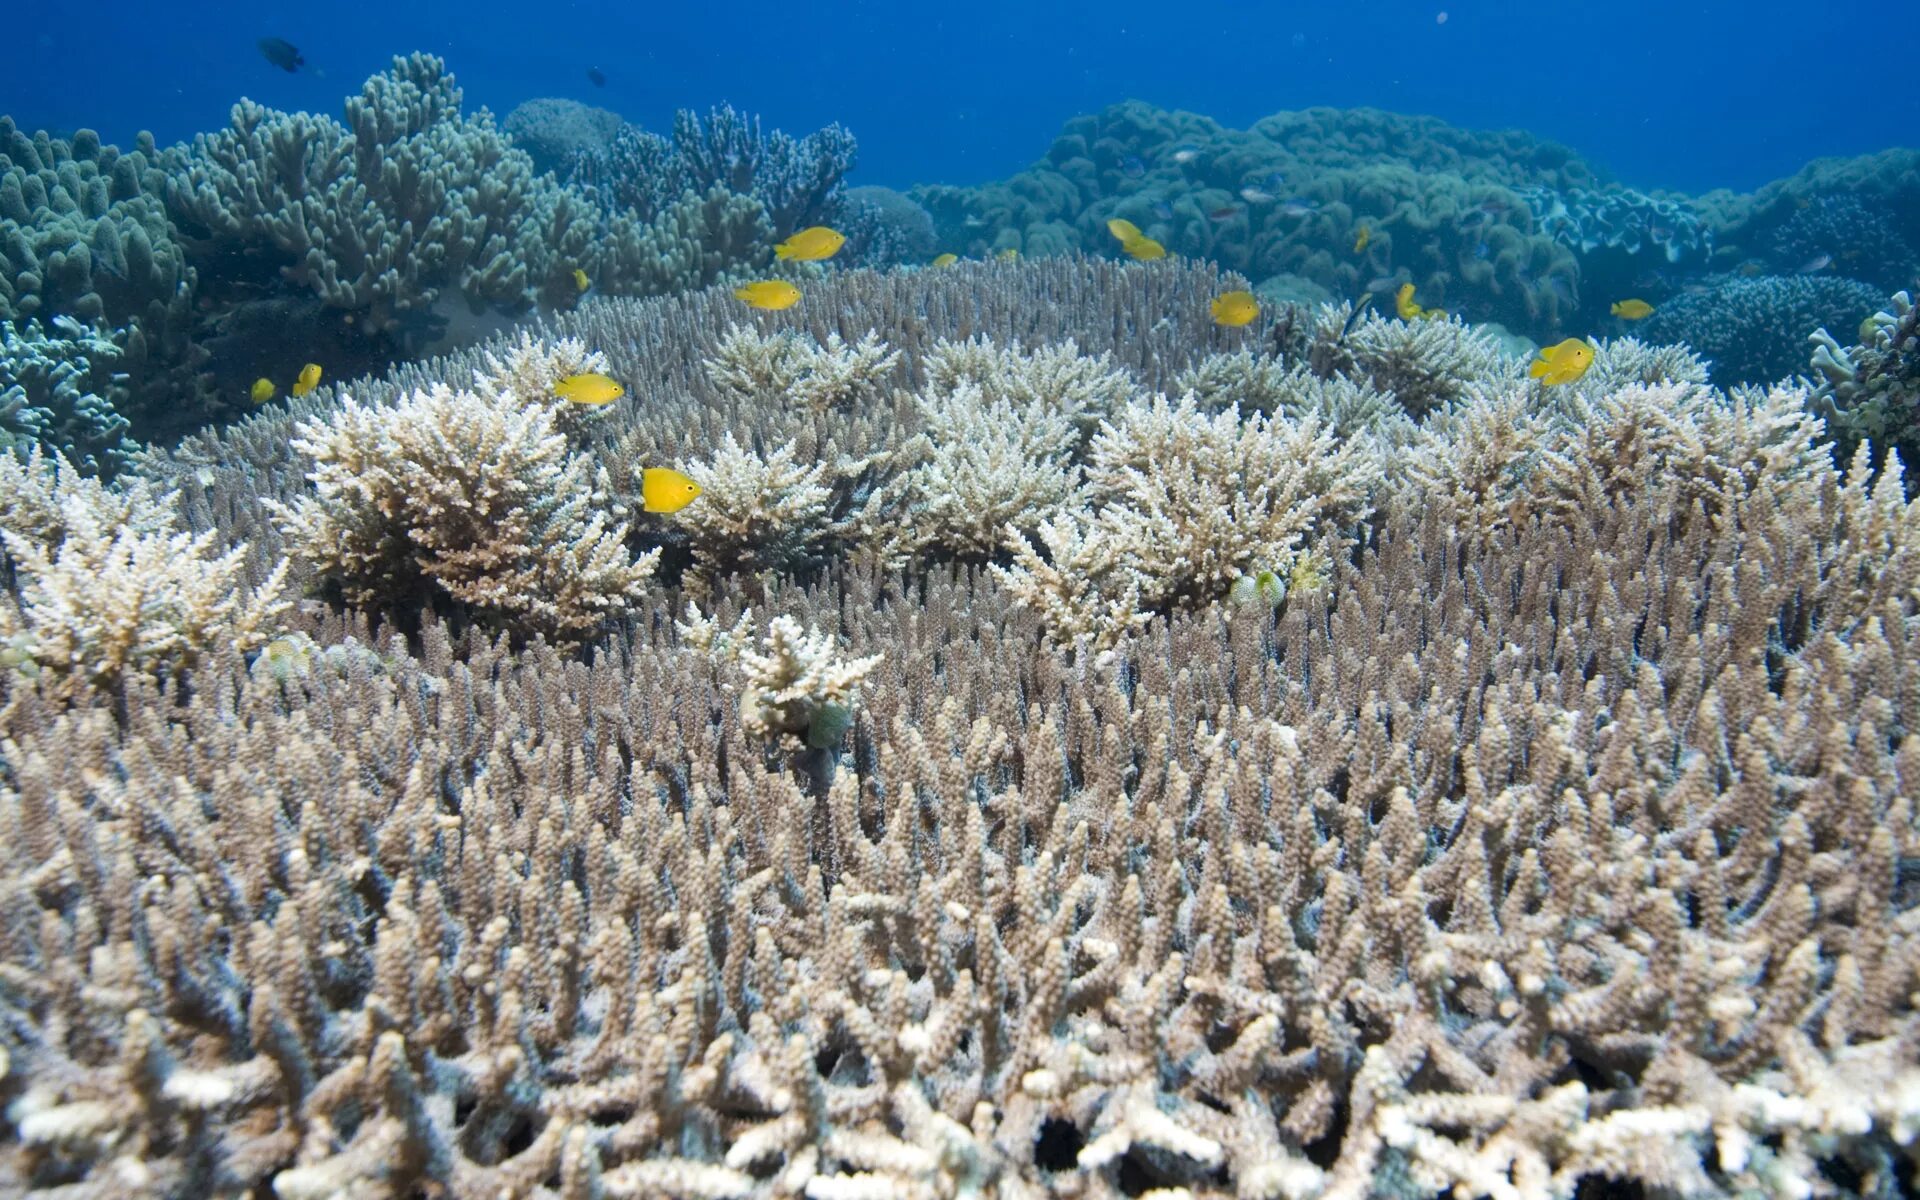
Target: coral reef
1443, 206
1547, 826
1754, 329
1429, 889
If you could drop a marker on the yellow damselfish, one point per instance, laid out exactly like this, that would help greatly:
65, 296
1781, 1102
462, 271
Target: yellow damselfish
589, 388
665, 490
1235, 308
945, 260
1008, 255
1404, 305
1563, 363
580, 280
1631, 310
262, 390
811, 245
1361, 239
1144, 248
1124, 230
309, 379
768, 293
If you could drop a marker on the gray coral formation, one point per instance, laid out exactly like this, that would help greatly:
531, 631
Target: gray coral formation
554, 131
55, 394
794, 181
1870, 392
1443, 207
1754, 329
1553, 832
84, 235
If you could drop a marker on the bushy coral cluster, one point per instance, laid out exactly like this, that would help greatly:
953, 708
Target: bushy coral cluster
472, 496
56, 389
1753, 329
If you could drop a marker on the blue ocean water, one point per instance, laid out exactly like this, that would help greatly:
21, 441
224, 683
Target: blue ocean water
1689, 96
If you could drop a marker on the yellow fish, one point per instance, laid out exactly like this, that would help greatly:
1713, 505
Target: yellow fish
1235, 308
1008, 255
1404, 305
262, 390
580, 280
309, 379
1563, 363
1631, 310
768, 293
811, 245
945, 260
665, 490
1124, 230
1361, 239
1144, 248
589, 388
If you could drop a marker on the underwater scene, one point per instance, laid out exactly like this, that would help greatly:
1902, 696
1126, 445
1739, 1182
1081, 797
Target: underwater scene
894, 602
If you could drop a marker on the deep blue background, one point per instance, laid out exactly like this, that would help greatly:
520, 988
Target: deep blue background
1678, 95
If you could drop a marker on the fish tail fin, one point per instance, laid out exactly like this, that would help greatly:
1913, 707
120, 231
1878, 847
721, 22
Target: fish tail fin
783, 252
1540, 367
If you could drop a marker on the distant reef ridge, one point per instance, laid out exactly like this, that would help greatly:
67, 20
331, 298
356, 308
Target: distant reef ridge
1490, 225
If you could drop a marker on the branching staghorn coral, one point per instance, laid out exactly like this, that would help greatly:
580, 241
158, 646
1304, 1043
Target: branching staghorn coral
1578, 851
1198, 500
474, 494
786, 367
984, 467
109, 586
757, 514
1059, 378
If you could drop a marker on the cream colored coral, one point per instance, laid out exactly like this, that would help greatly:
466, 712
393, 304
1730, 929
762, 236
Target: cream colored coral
1055, 378
987, 466
110, 600
788, 368
475, 494
755, 512
1082, 586
1193, 501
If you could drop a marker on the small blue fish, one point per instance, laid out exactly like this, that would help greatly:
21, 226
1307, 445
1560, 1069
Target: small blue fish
1163, 210
1132, 167
1482, 250
1254, 195
1274, 181
1299, 206
1186, 154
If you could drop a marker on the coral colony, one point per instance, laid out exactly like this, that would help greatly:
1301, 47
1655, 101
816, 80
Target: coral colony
1412, 690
